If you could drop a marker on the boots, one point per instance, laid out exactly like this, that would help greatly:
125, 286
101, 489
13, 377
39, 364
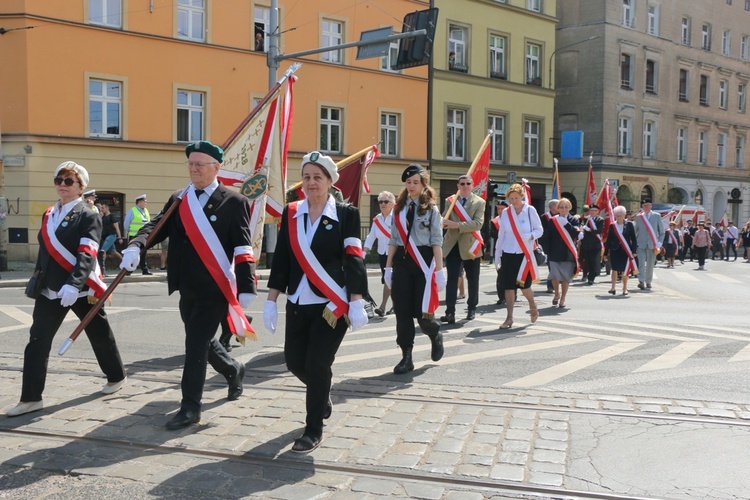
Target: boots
405, 365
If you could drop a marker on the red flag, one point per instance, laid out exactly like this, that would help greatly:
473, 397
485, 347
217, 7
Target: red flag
604, 202
590, 188
353, 176
480, 175
526, 188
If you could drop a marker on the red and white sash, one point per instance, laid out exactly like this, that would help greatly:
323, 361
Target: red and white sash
590, 222
559, 224
381, 226
528, 266
673, 237
67, 260
461, 213
650, 230
314, 270
430, 298
206, 243
631, 267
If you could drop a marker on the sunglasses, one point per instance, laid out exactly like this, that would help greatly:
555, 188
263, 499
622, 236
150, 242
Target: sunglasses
383, 202
464, 183
68, 181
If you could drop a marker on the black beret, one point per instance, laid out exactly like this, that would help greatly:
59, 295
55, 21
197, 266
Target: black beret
411, 170
505, 203
206, 147
645, 200
594, 206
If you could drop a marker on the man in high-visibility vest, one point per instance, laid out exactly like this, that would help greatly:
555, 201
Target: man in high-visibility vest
135, 219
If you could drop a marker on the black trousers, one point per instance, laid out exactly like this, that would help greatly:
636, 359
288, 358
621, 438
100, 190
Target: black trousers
310, 347
701, 255
408, 287
593, 260
201, 319
731, 245
453, 264
48, 315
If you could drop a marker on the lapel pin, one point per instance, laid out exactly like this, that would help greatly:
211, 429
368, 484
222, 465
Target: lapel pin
329, 227
210, 207
65, 223
212, 218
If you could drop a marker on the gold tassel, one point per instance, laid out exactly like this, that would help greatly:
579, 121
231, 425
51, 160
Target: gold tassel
428, 315
330, 318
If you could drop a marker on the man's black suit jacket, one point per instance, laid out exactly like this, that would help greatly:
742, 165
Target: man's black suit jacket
229, 215
80, 222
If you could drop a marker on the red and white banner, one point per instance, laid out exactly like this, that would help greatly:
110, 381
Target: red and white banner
463, 215
590, 187
353, 175
480, 174
430, 298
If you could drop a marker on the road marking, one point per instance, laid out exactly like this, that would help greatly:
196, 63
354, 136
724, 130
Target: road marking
723, 278
673, 357
705, 333
742, 355
685, 276
452, 360
579, 363
17, 314
643, 331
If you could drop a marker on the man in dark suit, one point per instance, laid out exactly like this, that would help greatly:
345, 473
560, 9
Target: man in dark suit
591, 244
204, 297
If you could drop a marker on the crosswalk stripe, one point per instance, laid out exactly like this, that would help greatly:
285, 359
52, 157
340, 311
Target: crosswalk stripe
17, 314
643, 331
452, 360
697, 330
673, 357
742, 355
684, 276
579, 363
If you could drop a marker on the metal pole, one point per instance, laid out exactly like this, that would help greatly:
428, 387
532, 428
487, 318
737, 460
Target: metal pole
549, 79
273, 44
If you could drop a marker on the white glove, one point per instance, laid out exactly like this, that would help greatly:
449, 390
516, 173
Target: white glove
580, 236
357, 314
270, 315
68, 295
130, 258
586, 228
442, 279
246, 299
388, 277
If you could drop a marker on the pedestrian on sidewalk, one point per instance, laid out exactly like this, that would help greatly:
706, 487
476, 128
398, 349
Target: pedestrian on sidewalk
66, 276
416, 275
208, 212
318, 263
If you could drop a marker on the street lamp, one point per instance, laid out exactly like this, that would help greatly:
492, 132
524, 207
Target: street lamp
566, 47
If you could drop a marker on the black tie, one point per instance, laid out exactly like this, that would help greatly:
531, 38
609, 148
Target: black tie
410, 215
199, 192
463, 201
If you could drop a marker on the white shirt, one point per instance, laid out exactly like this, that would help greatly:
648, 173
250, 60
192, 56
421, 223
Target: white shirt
529, 226
56, 217
377, 234
207, 192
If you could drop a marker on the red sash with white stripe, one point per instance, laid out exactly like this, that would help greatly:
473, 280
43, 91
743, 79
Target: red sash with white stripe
203, 238
463, 215
376, 220
650, 230
590, 222
430, 298
559, 224
673, 237
528, 266
631, 267
67, 260
314, 270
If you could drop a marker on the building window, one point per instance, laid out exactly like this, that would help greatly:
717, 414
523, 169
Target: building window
681, 141
649, 139
721, 150
531, 142
389, 134
191, 18
726, 43
702, 147
723, 94
623, 137
745, 48
704, 90
535, 5
741, 97
651, 79
683, 90
739, 152
496, 123
190, 113
456, 124
698, 197
533, 69
105, 109
261, 27
685, 33
747, 4
653, 20
625, 72
706, 37
457, 54
330, 129
497, 57
106, 13
627, 13
387, 62
332, 33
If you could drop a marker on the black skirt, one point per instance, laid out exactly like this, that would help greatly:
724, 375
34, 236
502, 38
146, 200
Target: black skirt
510, 264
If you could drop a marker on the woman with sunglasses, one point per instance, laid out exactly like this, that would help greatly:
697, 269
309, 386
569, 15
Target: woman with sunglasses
381, 231
67, 277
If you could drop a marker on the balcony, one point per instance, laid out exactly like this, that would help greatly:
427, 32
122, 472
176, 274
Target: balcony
459, 68
682, 96
498, 75
536, 81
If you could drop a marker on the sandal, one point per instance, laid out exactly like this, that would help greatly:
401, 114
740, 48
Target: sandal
561, 306
612, 292
305, 444
506, 325
555, 301
534, 313
624, 292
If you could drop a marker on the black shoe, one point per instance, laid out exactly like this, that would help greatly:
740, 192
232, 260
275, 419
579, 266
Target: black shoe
184, 418
429, 327
328, 410
405, 365
147, 272
437, 347
379, 312
448, 318
640, 285
471, 315
235, 385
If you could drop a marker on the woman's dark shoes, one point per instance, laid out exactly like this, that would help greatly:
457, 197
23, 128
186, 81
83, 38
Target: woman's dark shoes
612, 292
183, 419
328, 410
305, 444
235, 384
379, 312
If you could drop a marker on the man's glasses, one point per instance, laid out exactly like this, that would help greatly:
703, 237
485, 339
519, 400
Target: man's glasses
383, 202
199, 164
464, 183
68, 181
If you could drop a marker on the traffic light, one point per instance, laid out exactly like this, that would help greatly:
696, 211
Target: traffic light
491, 189
418, 50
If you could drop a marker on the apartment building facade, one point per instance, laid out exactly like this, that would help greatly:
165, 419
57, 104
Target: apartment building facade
122, 86
661, 98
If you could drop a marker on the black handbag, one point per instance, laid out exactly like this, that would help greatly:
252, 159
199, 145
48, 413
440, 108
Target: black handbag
33, 286
540, 257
